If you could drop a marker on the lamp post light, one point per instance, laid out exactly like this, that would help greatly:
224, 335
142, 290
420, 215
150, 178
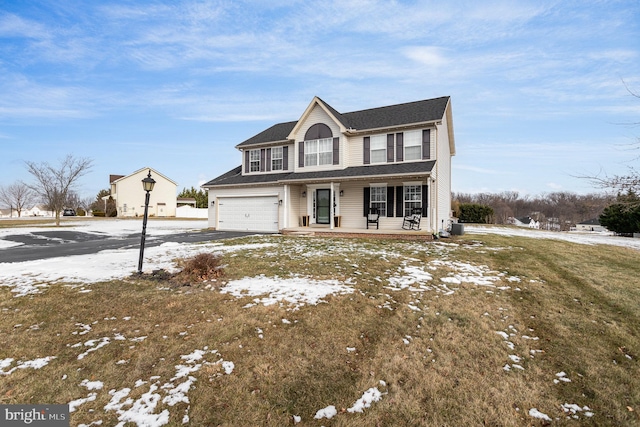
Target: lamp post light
147, 184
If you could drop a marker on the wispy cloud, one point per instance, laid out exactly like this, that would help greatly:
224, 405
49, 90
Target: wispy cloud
12, 25
476, 169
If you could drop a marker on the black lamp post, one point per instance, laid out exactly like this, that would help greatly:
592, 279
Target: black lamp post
147, 184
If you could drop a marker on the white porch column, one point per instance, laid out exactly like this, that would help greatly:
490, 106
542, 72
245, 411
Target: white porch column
285, 206
331, 207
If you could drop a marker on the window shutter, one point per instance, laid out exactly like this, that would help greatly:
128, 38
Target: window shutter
390, 201
426, 144
367, 199
425, 200
285, 158
399, 147
246, 161
263, 159
390, 144
399, 201
366, 155
268, 159
336, 151
301, 154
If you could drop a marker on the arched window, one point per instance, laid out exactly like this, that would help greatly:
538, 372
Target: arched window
318, 145
318, 131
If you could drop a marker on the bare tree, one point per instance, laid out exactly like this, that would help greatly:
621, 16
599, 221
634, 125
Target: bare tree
556, 211
17, 196
54, 183
629, 182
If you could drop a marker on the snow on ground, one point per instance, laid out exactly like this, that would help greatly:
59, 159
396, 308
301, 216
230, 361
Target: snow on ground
34, 276
110, 227
296, 291
584, 238
30, 277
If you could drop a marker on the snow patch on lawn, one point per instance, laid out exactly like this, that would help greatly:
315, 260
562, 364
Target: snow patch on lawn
295, 292
573, 237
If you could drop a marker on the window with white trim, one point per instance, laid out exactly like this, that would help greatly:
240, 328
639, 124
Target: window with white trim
378, 199
412, 198
413, 145
276, 159
378, 148
254, 161
318, 152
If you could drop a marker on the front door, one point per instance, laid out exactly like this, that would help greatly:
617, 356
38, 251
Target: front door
323, 206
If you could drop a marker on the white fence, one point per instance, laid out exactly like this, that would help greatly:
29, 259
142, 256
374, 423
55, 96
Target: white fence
191, 212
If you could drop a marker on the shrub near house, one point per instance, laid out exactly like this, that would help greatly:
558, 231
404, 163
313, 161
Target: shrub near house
623, 217
475, 213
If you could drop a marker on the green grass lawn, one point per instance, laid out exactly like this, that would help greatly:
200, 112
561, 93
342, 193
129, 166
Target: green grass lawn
480, 330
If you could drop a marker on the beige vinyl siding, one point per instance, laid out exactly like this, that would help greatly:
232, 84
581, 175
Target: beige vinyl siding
295, 206
352, 208
433, 149
354, 151
292, 158
443, 170
130, 196
317, 115
351, 205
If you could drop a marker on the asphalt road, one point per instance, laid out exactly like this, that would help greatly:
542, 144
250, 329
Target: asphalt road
62, 243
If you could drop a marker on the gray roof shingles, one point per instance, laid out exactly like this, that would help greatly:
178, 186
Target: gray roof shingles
374, 118
235, 177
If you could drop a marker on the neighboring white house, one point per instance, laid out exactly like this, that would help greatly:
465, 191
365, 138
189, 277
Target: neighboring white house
590, 225
331, 165
525, 221
129, 195
38, 210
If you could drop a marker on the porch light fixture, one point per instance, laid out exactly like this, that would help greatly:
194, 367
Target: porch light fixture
304, 194
213, 203
341, 193
147, 185
280, 202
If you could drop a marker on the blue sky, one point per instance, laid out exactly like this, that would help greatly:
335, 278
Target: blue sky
538, 88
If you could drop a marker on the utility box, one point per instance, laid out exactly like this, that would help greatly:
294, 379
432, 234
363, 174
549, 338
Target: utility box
457, 229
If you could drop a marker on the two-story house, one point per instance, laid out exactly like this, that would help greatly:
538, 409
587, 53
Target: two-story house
328, 169
129, 194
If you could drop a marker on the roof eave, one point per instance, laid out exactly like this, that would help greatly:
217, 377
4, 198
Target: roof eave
355, 132
264, 144
355, 178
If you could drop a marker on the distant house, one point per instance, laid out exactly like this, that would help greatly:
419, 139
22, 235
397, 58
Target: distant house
330, 169
525, 221
590, 225
38, 210
129, 195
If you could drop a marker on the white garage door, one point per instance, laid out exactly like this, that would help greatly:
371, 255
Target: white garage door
248, 213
